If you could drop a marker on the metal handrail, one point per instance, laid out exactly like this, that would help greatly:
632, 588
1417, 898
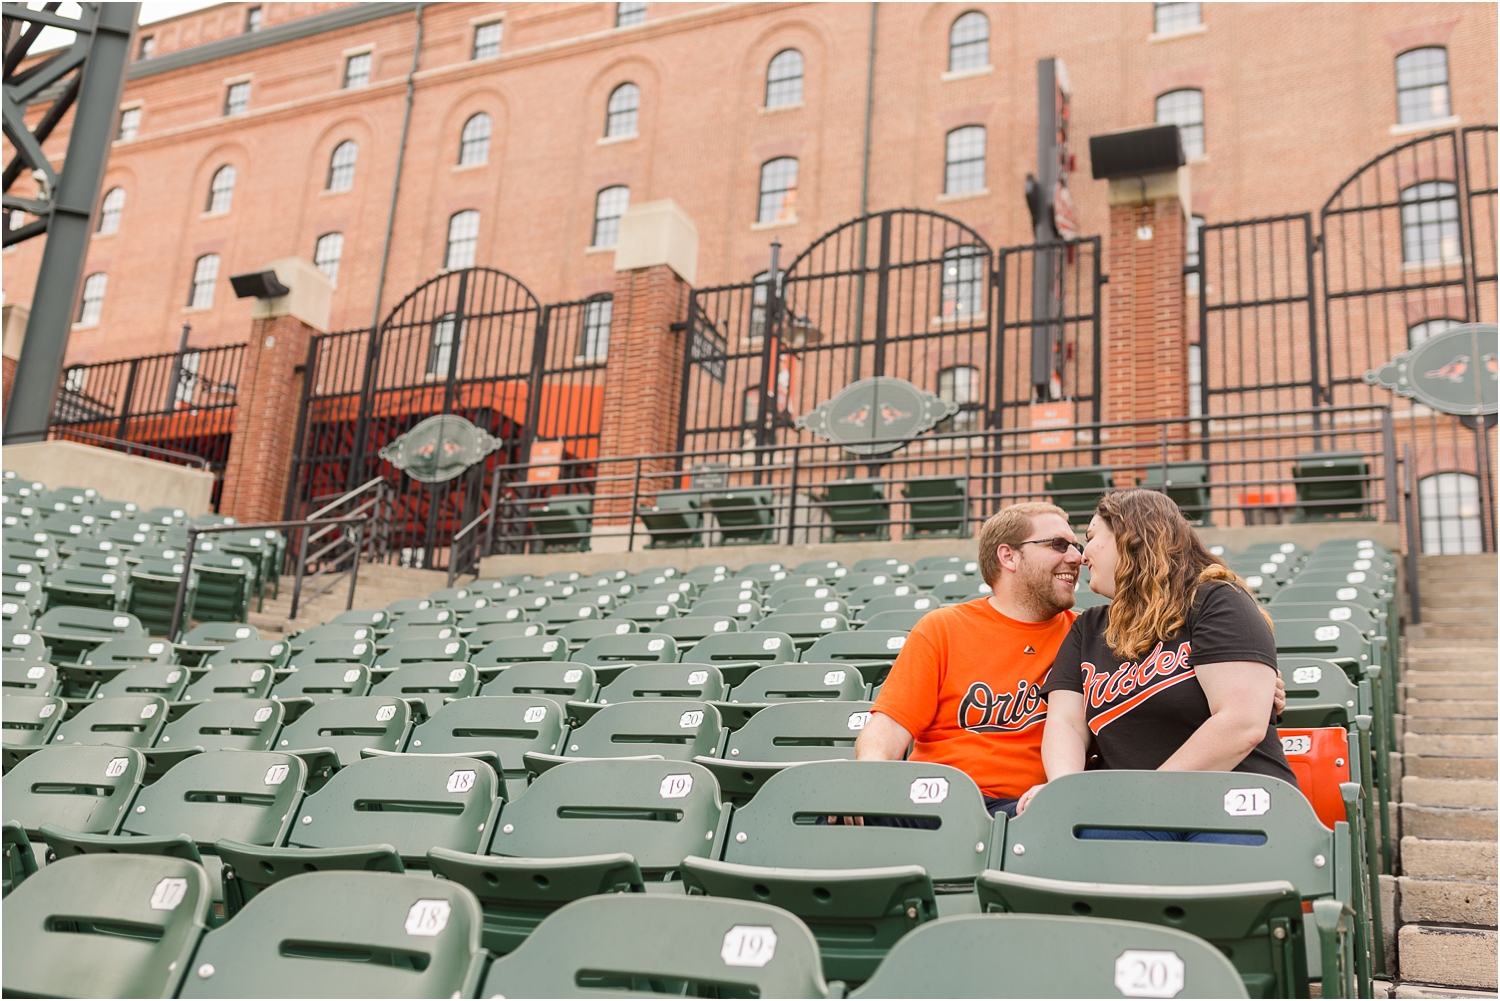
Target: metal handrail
453, 563
58, 431
1413, 539
196, 530
373, 483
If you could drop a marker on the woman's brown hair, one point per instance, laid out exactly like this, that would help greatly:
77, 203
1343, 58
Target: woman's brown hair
1161, 564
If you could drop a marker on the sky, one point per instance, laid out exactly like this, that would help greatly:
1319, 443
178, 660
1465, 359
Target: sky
151, 10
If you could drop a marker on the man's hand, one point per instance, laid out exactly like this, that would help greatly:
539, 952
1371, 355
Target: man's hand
1027, 797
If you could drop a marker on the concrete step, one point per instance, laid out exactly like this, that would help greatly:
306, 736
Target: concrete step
1474, 613
1448, 823
1480, 678
1451, 744
1429, 859
1448, 792
1452, 708
1449, 766
1451, 630
1413, 990
1460, 957
1426, 688
1447, 901
1435, 725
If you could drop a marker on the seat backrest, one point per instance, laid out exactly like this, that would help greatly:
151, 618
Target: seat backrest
900, 620
89, 623
163, 901
522, 649
235, 724
314, 936
338, 633
963, 589
219, 634
483, 636
1107, 958
1320, 758
746, 611
741, 589
131, 651
1357, 616
412, 802
781, 682
1318, 692
779, 829
803, 626
248, 796
321, 682
962, 563
677, 730
80, 787
336, 652
813, 606
691, 628
580, 631
431, 681
561, 680
1298, 848
403, 605
428, 617
1354, 594
1361, 578
706, 945
377, 617
875, 578
508, 725
1322, 638
30, 720
124, 721
859, 645
167, 680
349, 725
26, 678
232, 681
800, 731
757, 647
648, 610
405, 634
257, 651
665, 681
639, 647
25, 645
658, 811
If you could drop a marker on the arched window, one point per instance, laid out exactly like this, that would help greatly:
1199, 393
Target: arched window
623, 110
205, 274
1174, 17
110, 210
1450, 513
474, 144
784, 79
597, 315
463, 239
1419, 332
969, 43
440, 349
963, 283
778, 190
221, 190
1184, 109
92, 303
1422, 85
960, 384
609, 205
327, 253
341, 165
965, 160
1429, 223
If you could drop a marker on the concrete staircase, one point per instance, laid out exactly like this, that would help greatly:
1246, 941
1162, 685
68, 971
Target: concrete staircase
378, 585
1441, 908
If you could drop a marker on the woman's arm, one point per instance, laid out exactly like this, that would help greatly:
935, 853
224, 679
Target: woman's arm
1065, 740
1240, 696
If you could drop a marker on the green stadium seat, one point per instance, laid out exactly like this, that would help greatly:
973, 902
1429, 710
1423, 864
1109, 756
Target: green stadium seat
72, 632
860, 887
377, 617
647, 612
405, 633
610, 654
740, 589
563, 613
700, 682
785, 733
82, 787
81, 587
578, 633
235, 724
804, 628
274, 653
1106, 959
799, 682
29, 721
810, 586
15, 614
321, 682
27, 678
1079, 490
499, 729
519, 650
737, 654
1331, 486
153, 594
1186, 483
703, 576
589, 828
140, 917
960, 590
334, 652
19, 859
426, 617
232, 681
168, 681
815, 606
895, 587
96, 559
330, 633
857, 510
747, 611
26, 646
677, 730
563, 524
744, 517
421, 651
482, 636
673, 520
937, 507
348, 725
111, 658
388, 807
518, 609
881, 564
561, 681
871, 651
225, 583
429, 684
900, 620
926, 580
1245, 898
407, 936
689, 630
202, 641
402, 606
702, 947
123, 721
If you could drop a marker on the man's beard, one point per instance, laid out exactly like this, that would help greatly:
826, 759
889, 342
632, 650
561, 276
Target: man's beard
1039, 589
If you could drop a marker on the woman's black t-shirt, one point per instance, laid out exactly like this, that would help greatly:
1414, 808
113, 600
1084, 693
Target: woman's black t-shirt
1141, 713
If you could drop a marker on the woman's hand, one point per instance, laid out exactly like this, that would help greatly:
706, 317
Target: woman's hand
1279, 699
1027, 797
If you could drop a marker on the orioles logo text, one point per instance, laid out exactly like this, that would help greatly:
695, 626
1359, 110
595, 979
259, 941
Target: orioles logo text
983, 711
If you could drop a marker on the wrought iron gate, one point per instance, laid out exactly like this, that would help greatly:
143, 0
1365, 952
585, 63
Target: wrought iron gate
906, 293
1405, 248
473, 342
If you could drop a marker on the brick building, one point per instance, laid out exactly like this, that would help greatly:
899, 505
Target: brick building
753, 147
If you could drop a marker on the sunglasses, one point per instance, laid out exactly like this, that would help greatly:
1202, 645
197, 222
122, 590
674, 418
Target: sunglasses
1058, 544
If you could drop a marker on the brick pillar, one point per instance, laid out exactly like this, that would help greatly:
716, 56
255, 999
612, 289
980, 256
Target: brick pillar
655, 263
1145, 350
269, 393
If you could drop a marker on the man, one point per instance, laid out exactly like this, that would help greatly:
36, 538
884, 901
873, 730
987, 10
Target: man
967, 686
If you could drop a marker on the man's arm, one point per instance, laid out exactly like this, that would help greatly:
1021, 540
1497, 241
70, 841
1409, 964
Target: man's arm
882, 739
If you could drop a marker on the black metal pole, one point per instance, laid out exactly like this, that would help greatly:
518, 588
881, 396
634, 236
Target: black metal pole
175, 632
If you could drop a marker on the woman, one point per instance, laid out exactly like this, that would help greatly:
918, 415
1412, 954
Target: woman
1178, 673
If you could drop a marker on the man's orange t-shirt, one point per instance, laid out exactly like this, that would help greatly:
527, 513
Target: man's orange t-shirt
967, 686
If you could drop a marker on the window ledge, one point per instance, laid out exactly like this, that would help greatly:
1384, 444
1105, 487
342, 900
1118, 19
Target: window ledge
965, 74
1430, 125
462, 167
106, 236
197, 309
122, 142
1167, 36
214, 215
756, 227
608, 249
963, 196
329, 192
590, 359
1446, 262
955, 322
1194, 161
86, 326
611, 140
782, 107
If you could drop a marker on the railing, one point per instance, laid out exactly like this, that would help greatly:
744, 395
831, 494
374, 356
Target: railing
57, 433
371, 500
1245, 469
1413, 537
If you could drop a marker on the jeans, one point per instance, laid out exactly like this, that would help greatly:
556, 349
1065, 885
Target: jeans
1202, 837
